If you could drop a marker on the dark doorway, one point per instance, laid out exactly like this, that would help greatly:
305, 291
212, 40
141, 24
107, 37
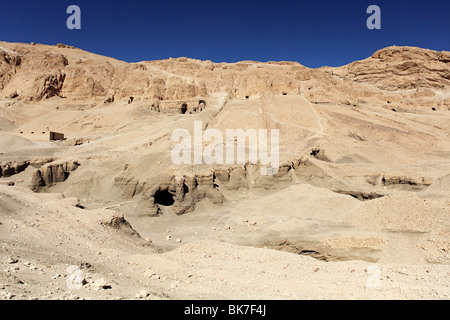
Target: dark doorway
184, 108
164, 198
54, 136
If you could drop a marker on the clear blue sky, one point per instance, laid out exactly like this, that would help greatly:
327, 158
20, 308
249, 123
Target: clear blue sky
312, 32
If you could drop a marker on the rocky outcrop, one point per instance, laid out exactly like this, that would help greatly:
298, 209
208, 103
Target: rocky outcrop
179, 107
179, 193
9, 62
76, 75
415, 183
130, 186
183, 192
39, 72
119, 223
8, 169
51, 174
190, 190
11, 168
402, 68
49, 86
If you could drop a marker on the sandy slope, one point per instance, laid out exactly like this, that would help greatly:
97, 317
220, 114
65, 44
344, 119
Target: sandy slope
38, 246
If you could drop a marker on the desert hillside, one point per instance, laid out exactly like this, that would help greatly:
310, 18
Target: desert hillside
363, 177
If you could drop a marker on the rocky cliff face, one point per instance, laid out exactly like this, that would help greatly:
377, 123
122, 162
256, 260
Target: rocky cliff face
52, 173
39, 72
10, 168
401, 68
79, 76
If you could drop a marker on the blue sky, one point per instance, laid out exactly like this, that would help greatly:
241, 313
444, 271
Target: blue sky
313, 32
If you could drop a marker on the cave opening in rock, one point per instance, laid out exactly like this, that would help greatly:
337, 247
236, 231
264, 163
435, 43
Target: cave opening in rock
315, 152
184, 108
202, 105
164, 198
